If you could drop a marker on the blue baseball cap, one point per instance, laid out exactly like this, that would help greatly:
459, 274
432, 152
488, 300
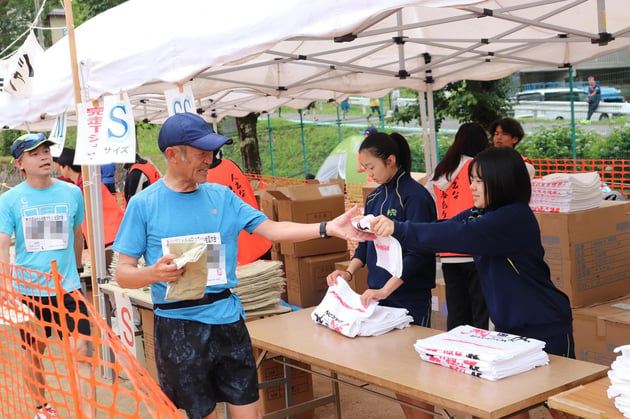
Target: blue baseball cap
189, 129
28, 142
369, 131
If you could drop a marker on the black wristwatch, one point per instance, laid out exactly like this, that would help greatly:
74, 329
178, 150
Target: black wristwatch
80, 269
322, 230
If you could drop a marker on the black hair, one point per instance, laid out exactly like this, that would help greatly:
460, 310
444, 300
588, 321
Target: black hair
67, 159
382, 145
470, 139
505, 176
509, 125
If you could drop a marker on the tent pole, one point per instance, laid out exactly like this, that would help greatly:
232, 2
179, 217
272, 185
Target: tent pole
425, 139
303, 142
432, 134
572, 112
270, 135
339, 136
95, 262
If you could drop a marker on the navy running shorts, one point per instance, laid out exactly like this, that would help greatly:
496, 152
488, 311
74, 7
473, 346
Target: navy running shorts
200, 365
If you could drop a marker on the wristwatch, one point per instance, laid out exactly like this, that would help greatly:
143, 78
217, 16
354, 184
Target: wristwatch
322, 230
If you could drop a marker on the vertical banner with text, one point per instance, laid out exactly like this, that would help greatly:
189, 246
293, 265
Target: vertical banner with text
107, 134
58, 135
180, 100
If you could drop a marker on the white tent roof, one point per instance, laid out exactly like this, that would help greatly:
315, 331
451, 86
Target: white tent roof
248, 55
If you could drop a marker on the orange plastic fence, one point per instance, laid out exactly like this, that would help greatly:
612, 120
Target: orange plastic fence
615, 173
72, 394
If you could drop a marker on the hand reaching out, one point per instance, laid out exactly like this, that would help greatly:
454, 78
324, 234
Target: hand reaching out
382, 226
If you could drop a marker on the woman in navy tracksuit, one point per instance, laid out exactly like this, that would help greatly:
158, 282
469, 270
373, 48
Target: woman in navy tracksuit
387, 160
503, 236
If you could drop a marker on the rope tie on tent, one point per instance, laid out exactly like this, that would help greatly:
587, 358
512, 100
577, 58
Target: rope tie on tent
30, 29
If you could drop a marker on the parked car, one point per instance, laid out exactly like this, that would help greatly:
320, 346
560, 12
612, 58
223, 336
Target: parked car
556, 104
612, 94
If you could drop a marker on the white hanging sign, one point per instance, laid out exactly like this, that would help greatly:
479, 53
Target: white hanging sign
18, 71
126, 326
118, 133
89, 122
58, 134
180, 100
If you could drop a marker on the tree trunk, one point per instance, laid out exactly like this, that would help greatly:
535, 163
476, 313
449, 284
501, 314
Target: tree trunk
248, 143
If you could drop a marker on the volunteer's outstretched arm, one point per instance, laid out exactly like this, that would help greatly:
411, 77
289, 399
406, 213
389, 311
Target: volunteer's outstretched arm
341, 227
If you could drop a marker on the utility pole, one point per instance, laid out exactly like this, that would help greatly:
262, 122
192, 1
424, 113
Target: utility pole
38, 24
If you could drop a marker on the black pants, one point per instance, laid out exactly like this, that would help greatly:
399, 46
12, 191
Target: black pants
464, 299
592, 107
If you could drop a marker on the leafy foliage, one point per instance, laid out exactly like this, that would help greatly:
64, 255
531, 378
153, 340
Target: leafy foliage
466, 101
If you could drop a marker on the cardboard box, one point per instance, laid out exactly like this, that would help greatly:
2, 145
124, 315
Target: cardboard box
269, 207
600, 328
419, 177
147, 336
439, 312
587, 252
306, 277
310, 204
273, 398
359, 278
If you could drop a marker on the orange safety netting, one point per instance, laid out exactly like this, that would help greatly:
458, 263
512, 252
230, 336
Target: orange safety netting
74, 382
615, 173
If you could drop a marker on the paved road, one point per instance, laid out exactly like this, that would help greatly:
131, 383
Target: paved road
449, 126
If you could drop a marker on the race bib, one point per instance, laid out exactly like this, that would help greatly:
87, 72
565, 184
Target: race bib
215, 255
45, 232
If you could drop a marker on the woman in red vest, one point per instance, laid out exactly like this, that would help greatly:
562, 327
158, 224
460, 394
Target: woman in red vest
139, 176
450, 187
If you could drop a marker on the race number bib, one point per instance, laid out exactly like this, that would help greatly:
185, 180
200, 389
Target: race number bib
215, 258
45, 232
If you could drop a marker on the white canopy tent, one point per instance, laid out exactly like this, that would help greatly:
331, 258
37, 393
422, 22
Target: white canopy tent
249, 56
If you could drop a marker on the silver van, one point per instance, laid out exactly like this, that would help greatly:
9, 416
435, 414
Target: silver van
556, 104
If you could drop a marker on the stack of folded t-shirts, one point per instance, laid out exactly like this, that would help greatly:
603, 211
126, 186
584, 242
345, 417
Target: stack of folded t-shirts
260, 286
342, 311
482, 353
619, 375
566, 192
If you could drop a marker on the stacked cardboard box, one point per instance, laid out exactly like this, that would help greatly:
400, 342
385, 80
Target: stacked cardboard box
587, 253
439, 311
600, 328
307, 263
273, 397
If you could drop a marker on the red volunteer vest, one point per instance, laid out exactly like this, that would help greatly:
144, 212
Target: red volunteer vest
148, 169
455, 199
250, 246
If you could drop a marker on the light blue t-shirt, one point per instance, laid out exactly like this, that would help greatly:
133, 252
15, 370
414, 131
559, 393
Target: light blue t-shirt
43, 221
159, 212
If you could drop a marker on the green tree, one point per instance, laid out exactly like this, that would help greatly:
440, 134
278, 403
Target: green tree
90, 8
466, 101
18, 17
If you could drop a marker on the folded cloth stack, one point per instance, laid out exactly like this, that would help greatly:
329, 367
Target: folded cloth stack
619, 375
260, 286
566, 192
482, 353
342, 311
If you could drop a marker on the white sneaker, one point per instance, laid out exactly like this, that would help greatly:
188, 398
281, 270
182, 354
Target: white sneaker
46, 412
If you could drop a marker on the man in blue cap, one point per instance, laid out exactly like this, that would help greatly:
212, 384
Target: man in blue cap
45, 214
202, 348
369, 131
